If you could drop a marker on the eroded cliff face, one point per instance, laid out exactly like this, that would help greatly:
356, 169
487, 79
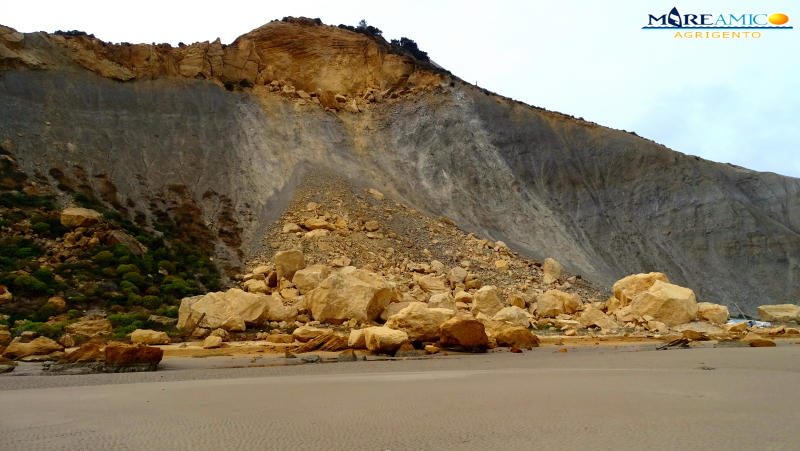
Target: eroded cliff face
176, 130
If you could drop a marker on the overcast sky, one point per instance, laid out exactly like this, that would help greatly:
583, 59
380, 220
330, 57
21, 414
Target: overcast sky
728, 100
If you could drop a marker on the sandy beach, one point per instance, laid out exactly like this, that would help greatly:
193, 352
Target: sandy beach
628, 397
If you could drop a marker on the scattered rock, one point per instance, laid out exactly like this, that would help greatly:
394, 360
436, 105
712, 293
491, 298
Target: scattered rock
713, 313
553, 271
762, 343
433, 284
80, 217
506, 334
592, 316
487, 301
66, 340
556, 302
292, 228
91, 326
376, 194
211, 342
311, 358
384, 340
287, 263
280, 338
150, 337
357, 339
431, 349
442, 300
308, 278
420, 322
780, 313
463, 331
305, 334
513, 315
406, 350
38, 346
348, 356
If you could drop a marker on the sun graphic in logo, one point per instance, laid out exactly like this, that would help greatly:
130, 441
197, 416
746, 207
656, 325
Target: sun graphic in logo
778, 19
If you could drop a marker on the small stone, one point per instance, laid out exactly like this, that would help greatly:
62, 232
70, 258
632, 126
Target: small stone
348, 356
311, 358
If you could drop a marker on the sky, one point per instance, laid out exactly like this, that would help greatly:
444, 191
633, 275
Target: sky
728, 100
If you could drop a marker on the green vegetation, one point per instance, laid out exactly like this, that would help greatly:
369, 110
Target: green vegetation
176, 264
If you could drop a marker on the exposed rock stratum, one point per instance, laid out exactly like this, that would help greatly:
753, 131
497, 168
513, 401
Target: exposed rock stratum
222, 134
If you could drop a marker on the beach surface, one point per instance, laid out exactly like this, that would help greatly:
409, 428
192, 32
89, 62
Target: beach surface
628, 397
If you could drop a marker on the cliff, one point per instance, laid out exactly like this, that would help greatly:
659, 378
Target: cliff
221, 136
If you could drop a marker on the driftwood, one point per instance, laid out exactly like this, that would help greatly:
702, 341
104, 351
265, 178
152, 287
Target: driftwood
678, 343
325, 342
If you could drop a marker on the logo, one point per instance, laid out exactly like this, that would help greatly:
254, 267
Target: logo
675, 20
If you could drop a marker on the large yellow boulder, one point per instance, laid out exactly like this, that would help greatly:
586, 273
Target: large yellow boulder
626, 289
780, 313
667, 303
555, 302
713, 313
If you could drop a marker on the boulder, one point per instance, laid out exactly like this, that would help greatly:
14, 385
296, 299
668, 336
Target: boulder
463, 331
226, 309
433, 284
291, 228
122, 358
5, 337
739, 327
280, 338
553, 271
592, 316
713, 313
66, 341
486, 301
38, 346
278, 311
360, 295
131, 243
506, 334
384, 340
233, 324
762, 343
91, 326
513, 315
376, 194
150, 337
57, 302
305, 334
357, 339
667, 303
457, 275
221, 333
348, 356
7, 365
420, 322
442, 300
5, 295
288, 262
465, 297
212, 341
372, 226
255, 286
780, 313
406, 350
556, 302
629, 287
392, 309
308, 278
163, 320
516, 300
89, 352
316, 224
80, 217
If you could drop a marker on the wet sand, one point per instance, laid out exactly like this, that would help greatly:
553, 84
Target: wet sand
624, 398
